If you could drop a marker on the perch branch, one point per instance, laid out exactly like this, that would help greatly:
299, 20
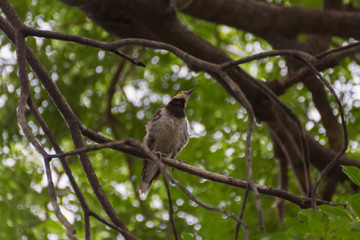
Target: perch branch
122, 146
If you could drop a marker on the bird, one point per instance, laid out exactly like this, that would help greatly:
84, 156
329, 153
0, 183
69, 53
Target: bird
166, 134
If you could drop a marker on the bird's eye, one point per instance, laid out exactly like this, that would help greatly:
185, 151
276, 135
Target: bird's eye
180, 93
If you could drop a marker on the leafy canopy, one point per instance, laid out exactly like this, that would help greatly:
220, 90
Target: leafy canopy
217, 128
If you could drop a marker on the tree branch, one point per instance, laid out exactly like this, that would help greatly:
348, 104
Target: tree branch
122, 146
27, 31
265, 19
65, 110
243, 100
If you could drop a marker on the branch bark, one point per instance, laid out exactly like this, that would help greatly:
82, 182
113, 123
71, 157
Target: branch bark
129, 149
267, 20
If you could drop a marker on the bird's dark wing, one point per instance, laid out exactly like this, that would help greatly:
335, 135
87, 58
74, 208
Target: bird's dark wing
150, 170
149, 138
155, 116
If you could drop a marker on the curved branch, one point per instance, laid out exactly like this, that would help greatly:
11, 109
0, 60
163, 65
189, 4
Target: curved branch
67, 113
243, 100
325, 60
27, 31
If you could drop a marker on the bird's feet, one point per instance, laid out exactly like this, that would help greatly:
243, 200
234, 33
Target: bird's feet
161, 155
158, 154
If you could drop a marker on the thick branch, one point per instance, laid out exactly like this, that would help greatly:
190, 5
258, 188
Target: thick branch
264, 19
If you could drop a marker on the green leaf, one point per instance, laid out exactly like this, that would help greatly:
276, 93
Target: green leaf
296, 226
354, 204
337, 211
353, 173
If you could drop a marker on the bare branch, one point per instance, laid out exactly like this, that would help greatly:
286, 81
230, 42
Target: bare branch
27, 31
24, 97
243, 100
326, 60
305, 59
100, 219
66, 112
242, 211
286, 52
343, 122
171, 210
122, 146
336, 50
69, 228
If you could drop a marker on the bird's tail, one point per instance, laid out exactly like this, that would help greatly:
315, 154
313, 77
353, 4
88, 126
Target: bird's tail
149, 173
144, 187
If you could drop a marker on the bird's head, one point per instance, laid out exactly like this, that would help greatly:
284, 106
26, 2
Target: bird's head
181, 98
183, 95
177, 105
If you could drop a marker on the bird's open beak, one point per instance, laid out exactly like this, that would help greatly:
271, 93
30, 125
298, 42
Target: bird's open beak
190, 91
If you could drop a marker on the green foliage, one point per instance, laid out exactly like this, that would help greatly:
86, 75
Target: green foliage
353, 173
328, 222
217, 122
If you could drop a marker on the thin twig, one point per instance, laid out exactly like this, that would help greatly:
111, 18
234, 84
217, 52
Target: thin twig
287, 52
63, 162
66, 112
283, 176
94, 182
242, 211
57, 148
110, 94
334, 161
81, 40
171, 210
100, 219
96, 147
305, 59
24, 97
69, 228
243, 100
343, 122
339, 49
